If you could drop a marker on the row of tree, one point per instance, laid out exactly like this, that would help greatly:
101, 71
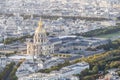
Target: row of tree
111, 45
9, 72
100, 62
21, 39
103, 31
58, 67
5, 73
12, 75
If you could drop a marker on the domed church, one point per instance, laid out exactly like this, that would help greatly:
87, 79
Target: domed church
40, 45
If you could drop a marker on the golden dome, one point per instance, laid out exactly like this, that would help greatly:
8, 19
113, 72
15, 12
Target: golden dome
39, 29
40, 24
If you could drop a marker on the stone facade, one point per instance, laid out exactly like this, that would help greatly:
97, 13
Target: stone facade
40, 45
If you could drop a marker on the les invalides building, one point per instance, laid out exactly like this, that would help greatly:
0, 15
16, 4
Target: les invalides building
40, 45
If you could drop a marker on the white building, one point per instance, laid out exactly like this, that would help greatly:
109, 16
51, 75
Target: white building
40, 45
64, 73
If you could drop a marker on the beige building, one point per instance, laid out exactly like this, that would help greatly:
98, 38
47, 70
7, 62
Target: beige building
40, 45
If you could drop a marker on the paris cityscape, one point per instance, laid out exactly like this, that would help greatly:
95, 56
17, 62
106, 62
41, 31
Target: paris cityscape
59, 39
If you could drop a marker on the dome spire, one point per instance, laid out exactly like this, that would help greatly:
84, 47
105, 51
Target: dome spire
40, 24
39, 29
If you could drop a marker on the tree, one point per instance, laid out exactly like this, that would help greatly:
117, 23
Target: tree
89, 78
114, 64
119, 73
85, 72
95, 69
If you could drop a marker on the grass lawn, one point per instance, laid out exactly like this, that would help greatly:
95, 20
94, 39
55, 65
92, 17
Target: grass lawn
111, 36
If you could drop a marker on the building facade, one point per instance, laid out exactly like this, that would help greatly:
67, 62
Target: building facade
66, 73
40, 45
